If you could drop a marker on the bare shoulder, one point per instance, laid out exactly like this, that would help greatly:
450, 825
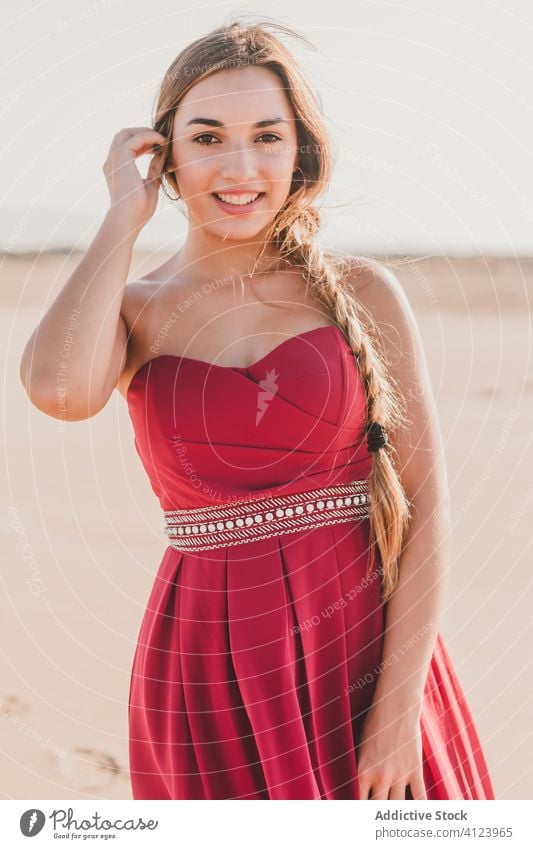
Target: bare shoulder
418, 444
137, 295
377, 287
135, 312
382, 296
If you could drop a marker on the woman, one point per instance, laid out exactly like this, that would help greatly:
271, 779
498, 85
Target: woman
283, 412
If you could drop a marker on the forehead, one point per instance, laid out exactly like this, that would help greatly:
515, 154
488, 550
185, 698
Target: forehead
253, 91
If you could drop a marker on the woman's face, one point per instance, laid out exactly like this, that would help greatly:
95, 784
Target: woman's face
218, 149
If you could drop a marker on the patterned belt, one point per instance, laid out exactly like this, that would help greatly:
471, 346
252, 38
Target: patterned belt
219, 526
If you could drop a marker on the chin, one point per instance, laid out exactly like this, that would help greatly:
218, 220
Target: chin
238, 232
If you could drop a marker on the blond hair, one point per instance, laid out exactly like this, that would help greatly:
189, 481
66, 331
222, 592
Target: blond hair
332, 278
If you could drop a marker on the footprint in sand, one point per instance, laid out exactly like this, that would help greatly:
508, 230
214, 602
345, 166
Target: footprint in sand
12, 706
89, 769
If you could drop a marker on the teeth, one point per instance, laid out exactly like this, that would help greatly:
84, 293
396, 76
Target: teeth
238, 200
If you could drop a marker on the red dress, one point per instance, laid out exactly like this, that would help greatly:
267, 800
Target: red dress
248, 679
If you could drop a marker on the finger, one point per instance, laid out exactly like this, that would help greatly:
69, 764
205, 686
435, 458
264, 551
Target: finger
139, 144
397, 790
364, 789
381, 792
152, 183
418, 788
146, 136
159, 152
152, 180
130, 131
154, 169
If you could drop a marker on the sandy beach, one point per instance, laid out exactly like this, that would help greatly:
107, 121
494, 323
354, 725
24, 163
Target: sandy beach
83, 534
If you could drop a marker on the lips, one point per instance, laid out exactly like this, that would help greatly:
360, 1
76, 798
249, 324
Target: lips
239, 208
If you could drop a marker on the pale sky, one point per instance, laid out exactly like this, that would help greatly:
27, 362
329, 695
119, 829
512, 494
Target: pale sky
428, 105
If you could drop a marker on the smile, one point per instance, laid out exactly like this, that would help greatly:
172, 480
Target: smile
238, 203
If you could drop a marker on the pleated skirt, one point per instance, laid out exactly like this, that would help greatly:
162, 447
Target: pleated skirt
255, 666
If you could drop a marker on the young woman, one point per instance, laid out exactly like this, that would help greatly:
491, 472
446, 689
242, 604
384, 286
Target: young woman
283, 412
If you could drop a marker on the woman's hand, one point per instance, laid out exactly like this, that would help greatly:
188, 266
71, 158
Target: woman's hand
389, 756
134, 197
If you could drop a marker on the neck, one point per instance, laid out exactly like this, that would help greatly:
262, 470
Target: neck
206, 255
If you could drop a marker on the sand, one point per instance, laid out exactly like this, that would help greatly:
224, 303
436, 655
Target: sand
83, 534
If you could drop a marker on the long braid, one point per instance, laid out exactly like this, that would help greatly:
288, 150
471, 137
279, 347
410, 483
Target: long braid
326, 277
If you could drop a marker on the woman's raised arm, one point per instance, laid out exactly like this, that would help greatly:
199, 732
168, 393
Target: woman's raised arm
76, 354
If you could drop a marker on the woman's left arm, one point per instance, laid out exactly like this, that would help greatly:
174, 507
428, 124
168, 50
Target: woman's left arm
413, 611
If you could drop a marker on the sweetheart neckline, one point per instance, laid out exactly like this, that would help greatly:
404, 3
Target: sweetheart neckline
211, 365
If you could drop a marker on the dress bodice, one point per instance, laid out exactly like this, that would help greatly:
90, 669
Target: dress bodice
292, 421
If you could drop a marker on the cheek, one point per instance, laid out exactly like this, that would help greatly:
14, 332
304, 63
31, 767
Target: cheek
281, 163
277, 171
185, 159
193, 174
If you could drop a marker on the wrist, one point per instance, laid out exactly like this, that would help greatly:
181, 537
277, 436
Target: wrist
121, 225
403, 701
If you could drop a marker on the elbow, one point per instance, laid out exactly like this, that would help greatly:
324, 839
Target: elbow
34, 379
58, 406
51, 395
56, 402
61, 395
35, 386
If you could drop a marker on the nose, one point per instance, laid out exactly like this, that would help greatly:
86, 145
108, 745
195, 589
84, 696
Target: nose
239, 164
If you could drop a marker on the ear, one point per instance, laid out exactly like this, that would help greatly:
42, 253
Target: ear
159, 152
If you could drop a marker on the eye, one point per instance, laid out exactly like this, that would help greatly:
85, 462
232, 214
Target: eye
272, 136
204, 136
198, 139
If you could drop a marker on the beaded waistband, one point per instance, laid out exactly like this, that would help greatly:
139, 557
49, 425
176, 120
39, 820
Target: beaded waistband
221, 525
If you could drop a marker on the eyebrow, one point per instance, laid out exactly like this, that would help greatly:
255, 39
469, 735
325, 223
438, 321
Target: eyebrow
213, 122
